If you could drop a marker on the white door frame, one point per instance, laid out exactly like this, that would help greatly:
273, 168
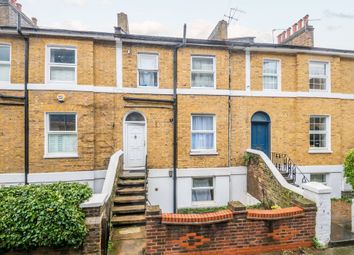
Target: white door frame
125, 126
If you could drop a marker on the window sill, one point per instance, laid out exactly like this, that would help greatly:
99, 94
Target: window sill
58, 156
202, 87
320, 151
203, 153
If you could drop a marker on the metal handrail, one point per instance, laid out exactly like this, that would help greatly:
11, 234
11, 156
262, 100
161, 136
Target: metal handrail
146, 181
286, 166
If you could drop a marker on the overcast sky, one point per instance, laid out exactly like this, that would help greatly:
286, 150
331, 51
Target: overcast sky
333, 19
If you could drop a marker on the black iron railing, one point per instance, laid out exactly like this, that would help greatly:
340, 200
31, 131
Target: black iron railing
287, 167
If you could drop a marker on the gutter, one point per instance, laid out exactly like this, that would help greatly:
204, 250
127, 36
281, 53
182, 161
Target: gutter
26, 110
175, 116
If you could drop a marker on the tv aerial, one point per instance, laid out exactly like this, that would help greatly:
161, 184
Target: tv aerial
234, 15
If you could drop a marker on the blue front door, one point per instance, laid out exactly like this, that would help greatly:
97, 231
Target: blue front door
260, 137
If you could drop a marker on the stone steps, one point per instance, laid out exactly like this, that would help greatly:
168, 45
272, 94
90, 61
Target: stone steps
130, 183
128, 209
129, 220
130, 191
129, 199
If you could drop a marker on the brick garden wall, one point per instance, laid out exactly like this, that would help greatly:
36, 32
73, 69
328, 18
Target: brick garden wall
245, 232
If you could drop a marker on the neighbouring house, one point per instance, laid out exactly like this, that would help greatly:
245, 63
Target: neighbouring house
176, 105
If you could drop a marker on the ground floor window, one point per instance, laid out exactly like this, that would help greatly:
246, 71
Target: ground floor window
319, 133
61, 134
203, 133
203, 189
322, 178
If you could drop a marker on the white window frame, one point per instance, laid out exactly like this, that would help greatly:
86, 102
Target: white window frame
203, 151
278, 75
47, 132
206, 202
138, 69
325, 177
327, 76
326, 149
7, 63
202, 71
49, 64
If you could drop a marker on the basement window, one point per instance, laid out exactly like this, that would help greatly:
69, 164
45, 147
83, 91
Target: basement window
321, 178
62, 64
61, 135
203, 134
5, 63
319, 133
202, 190
203, 72
148, 70
319, 76
271, 74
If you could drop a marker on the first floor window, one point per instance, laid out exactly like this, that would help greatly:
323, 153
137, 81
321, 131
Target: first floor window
319, 132
322, 178
203, 189
5, 63
203, 72
319, 75
271, 73
62, 64
148, 69
61, 134
203, 133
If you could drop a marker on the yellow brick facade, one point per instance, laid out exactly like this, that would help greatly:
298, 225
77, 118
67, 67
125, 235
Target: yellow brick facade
101, 114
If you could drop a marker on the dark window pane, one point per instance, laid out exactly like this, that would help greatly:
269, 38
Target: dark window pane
135, 116
62, 122
148, 78
203, 195
62, 56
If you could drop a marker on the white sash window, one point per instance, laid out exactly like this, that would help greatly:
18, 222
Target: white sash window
319, 133
148, 70
61, 64
319, 76
203, 133
271, 74
203, 72
61, 137
203, 189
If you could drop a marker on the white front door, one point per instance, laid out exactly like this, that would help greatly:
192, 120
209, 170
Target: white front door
134, 156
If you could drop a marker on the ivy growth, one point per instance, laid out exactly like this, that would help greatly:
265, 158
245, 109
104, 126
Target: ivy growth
42, 216
349, 167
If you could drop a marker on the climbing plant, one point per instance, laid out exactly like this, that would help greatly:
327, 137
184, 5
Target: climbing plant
349, 167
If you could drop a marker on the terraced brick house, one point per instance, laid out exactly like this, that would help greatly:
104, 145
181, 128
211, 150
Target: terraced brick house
185, 109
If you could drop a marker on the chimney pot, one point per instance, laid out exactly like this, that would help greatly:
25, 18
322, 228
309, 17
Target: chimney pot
34, 21
280, 38
13, 2
288, 32
19, 7
306, 20
295, 28
300, 24
122, 20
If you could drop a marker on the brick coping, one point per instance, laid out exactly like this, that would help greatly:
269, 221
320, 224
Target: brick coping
276, 214
192, 219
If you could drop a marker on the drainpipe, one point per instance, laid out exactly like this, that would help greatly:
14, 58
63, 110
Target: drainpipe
26, 113
175, 116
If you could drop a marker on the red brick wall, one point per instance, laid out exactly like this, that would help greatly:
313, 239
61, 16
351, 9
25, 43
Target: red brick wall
239, 235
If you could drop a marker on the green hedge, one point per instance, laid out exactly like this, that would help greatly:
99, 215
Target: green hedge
349, 167
42, 216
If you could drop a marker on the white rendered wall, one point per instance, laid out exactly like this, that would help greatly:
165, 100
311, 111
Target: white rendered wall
334, 175
229, 184
94, 179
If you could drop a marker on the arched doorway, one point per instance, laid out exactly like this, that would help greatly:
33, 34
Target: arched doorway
134, 135
260, 132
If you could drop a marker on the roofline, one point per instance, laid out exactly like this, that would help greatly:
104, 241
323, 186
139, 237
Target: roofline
173, 41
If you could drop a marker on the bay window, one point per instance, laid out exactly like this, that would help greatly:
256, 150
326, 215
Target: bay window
62, 64
5, 63
203, 72
61, 135
148, 70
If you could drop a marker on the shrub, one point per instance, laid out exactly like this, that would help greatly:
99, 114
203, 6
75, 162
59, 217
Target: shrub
349, 167
201, 210
42, 216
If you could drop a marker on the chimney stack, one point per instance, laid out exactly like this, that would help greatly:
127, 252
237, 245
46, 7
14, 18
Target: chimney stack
123, 22
300, 34
34, 21
220, 31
